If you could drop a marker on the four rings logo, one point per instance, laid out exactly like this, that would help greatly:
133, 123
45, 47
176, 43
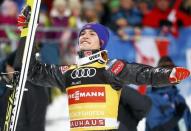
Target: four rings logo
83, 72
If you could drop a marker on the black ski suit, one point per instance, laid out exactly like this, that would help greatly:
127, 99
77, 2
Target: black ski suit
90, 84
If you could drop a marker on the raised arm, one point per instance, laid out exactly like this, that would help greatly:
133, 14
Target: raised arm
41, 74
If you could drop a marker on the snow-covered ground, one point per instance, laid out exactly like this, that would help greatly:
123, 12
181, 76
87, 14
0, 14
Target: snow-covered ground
188, 101
57, 115
58, 120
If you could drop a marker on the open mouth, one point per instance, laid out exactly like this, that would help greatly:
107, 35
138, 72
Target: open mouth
85, 42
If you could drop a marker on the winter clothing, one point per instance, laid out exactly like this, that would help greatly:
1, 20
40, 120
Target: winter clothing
132, 108
94, 87
157, 18
132, 16
34, 104
33, 108
80, 85
168, 108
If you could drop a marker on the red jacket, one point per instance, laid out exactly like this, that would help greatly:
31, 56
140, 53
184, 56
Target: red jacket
154, 17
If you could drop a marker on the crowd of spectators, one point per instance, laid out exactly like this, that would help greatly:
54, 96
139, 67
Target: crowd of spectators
60, 19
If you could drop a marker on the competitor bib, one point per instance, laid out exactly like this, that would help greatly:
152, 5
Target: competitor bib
93, 107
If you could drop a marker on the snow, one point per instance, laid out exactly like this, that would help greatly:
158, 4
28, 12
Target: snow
57, 115
188, 101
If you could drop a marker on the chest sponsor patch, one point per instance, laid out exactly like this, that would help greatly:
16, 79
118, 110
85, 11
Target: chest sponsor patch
86, 94
87, 123
83, 73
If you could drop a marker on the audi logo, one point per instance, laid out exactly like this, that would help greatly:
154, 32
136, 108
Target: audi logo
83, 73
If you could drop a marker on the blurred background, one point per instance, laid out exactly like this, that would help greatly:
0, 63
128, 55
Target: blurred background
140, 31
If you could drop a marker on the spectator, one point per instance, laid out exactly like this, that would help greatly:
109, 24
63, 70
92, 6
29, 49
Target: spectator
75, 20
114, 6
128, 15
168, 108
89, 13
59, 15
143, 6
8, 14
160, 16
103, 11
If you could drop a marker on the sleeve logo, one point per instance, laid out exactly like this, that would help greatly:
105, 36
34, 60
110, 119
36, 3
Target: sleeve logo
117, 67
63, 69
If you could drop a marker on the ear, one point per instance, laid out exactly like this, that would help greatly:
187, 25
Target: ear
101, 43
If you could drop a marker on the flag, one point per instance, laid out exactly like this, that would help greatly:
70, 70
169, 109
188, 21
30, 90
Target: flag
150, 49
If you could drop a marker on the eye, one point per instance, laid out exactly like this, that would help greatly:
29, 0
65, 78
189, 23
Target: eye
82, 33
92, 33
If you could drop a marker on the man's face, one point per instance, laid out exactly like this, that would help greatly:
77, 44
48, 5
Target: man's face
89, 40
127, 4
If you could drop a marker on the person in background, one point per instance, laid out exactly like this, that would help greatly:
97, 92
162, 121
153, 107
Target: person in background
113, 7
169, 111
158, 14
127, 16
168, 19
144, 7
8, 15
75, 20
89, 13
59, 16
